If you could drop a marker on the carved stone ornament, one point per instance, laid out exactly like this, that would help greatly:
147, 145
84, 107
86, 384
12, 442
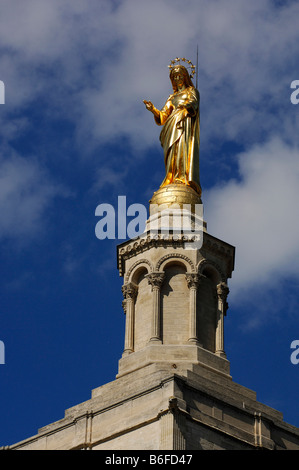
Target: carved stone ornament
175, 256
193, 280
222, 293
129, 290
155, 279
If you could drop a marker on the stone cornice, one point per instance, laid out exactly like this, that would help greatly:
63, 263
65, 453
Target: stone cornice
211, 245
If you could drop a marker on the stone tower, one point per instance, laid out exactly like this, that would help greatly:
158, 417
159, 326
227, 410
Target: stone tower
173, 390
174, 293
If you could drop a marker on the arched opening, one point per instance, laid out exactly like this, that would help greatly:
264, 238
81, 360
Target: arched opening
207, 307
207, 313
175, 301
143, 309
211, 273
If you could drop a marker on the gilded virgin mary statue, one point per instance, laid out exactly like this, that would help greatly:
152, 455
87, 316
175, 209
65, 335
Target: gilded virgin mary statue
180, 134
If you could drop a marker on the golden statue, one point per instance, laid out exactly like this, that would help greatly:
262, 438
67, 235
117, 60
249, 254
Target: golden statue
180, 134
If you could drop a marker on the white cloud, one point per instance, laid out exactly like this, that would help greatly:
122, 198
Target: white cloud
97, 61
26, 191
94, 62
245, 67
258, 214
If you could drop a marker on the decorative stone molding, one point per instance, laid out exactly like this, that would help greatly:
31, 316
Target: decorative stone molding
175, 256
129, 290
135, 266
146, 241
222, 293
155, 279
194, 279
204, 263
217, 246
143, 243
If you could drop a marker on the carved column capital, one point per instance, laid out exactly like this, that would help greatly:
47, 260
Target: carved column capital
155, 279
222, 293
129, 290
193, 280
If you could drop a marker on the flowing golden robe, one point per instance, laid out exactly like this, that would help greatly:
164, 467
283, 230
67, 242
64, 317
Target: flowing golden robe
180, 138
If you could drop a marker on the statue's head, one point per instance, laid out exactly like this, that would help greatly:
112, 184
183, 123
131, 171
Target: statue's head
180, 70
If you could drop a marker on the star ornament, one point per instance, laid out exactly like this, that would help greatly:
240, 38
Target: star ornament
190, 66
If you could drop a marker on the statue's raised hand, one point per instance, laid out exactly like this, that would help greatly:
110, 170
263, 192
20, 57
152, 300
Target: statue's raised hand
149, 105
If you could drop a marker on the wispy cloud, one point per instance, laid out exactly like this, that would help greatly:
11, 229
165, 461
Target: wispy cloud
94, 62
258, 214
97, 61
26, 191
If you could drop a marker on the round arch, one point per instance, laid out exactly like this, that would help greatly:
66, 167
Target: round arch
175, 257
136, 268
211, 270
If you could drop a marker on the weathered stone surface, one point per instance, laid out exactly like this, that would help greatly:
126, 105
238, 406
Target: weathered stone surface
157, 408
173, 389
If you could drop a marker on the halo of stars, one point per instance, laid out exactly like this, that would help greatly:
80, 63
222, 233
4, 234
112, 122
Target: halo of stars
178, 60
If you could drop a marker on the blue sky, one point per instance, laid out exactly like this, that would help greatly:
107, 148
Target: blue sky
74, 133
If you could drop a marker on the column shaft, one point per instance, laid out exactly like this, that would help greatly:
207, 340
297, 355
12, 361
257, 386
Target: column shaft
193, 280
129, 292
156, 280
222, 292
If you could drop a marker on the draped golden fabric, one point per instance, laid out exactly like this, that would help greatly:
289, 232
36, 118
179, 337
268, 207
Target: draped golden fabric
180, 138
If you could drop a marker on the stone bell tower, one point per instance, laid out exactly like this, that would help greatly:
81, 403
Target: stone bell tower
175, 295
173, 389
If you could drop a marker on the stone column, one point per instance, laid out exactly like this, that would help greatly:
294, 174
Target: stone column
222, 293
262, 432
129, 292
193, 281
172, 427
156, 280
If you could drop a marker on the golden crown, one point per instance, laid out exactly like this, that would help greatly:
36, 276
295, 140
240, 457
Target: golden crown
190, 66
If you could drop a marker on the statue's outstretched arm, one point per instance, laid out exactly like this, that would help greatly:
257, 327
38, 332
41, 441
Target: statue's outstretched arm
149, 105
